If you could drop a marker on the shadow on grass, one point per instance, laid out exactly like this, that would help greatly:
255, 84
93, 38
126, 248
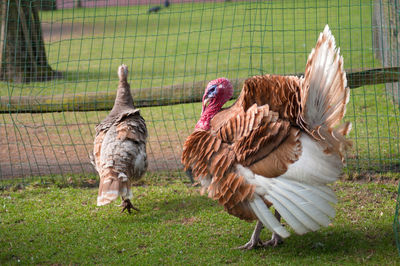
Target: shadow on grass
166, 211
340, 240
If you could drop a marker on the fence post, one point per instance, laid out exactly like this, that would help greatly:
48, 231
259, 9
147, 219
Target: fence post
386, 38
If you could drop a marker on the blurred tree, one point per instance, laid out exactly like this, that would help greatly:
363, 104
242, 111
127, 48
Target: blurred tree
22, 52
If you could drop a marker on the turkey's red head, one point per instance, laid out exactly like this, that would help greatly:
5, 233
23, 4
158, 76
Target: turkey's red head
216, 94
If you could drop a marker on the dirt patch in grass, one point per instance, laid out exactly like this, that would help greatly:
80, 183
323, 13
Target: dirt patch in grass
367, 177
189, 221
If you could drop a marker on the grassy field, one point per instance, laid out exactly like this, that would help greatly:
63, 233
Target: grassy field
188, 43
61, 224
194, 41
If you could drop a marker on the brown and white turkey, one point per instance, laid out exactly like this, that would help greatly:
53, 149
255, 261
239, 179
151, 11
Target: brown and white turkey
119, 154
278, 145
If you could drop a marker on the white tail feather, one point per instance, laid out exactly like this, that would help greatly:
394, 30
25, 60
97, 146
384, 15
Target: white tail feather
329, 192
327, 196
264, 214
305, 207
309, 208
309, 195
293, 208
295, 223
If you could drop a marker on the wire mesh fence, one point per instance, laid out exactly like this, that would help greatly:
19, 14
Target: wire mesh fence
59, 57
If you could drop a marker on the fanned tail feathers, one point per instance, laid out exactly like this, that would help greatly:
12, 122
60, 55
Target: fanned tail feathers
304, 207
325, 94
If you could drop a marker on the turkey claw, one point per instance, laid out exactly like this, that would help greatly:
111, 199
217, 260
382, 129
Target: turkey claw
127, 205
274, 241
250, 245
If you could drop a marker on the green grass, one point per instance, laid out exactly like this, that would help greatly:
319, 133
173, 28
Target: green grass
50, 224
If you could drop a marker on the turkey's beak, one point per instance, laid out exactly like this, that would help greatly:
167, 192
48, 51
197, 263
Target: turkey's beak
206, 102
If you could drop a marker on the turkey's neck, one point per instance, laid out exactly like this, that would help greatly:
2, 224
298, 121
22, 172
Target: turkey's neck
123, 100
205, 119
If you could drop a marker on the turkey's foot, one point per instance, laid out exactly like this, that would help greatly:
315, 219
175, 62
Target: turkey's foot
255, 240
127, 205
253, 243
274, 241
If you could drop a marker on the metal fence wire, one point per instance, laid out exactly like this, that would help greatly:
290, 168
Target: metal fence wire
59, 61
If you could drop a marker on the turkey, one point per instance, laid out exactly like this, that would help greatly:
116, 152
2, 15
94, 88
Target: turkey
278, 145
119, 154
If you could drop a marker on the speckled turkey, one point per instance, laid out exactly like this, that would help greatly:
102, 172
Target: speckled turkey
278, 145
119, 154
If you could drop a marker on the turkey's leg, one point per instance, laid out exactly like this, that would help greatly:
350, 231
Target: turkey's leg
127, 205
275, 239
255, 237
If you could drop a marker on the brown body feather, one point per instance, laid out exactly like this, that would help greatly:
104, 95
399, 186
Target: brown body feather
281, 93
256, 135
